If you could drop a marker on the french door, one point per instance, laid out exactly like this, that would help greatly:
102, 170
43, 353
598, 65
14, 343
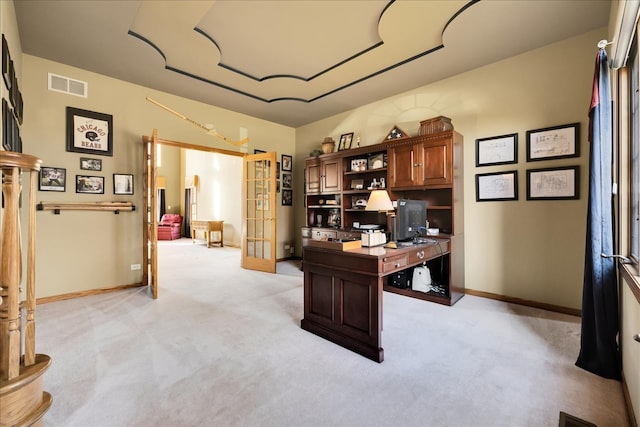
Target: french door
259, 212
150, 215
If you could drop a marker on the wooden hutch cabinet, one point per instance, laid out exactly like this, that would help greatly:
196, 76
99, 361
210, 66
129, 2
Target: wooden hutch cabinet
323, 175
424, 161
425, 167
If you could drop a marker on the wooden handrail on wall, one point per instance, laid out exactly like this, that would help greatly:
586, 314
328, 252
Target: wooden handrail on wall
115, 207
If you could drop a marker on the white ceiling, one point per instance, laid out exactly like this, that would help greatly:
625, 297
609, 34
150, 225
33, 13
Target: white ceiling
294, 62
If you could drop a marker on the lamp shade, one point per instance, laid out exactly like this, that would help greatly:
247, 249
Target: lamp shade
379, 201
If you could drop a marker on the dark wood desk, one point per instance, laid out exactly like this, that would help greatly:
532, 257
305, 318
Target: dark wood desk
343, 291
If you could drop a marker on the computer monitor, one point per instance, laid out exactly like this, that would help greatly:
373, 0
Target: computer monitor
411, 219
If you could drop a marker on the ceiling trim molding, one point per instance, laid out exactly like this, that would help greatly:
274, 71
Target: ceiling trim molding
298, 99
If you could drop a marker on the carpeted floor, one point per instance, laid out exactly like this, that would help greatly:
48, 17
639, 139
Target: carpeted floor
222, 346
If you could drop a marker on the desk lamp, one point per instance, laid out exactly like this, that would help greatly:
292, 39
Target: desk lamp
379, 201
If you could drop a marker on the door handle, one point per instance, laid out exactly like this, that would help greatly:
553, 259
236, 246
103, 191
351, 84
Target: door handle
636, 337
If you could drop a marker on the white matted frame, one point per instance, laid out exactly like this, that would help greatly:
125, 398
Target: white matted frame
560, 183
497, 150
122, 183
556, 142
497, 186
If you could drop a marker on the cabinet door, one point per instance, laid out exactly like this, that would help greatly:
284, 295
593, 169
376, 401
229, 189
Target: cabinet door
312, 177
438, 158
403, 166
331, 176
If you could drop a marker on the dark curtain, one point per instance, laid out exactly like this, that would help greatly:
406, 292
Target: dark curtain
162, 206
599, 351
187, 212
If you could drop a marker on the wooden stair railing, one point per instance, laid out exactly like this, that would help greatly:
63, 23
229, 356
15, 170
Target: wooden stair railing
22, 400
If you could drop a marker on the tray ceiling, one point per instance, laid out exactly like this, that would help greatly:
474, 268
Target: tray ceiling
294, 62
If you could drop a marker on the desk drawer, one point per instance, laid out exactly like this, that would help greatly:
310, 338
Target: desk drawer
392, 263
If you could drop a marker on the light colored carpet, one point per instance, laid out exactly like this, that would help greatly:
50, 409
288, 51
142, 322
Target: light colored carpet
222, 346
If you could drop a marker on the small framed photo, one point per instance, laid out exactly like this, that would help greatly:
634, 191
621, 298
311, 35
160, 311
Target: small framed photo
286, 180
555, 142
122, 183
345, 141
497, 150
498, 186
357, 184
89, 184
287, 197
88, 164
89, 132
377, 161
359, 165
287, 163
277, 170
52, 179
553, 183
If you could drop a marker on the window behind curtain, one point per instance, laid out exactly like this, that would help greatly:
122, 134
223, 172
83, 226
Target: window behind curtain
632, 63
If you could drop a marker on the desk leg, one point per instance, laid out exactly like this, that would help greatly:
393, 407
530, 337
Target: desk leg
207, 237
193, 236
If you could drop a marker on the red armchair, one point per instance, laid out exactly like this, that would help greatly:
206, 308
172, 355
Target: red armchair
169, 227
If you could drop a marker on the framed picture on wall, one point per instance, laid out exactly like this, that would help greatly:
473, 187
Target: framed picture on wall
553, 183
89, 184
556, 142
287, 163
497, 150
286, 180
6, 60
52, 179
287, 197
122, 183
88, 164
498, 186
89, 132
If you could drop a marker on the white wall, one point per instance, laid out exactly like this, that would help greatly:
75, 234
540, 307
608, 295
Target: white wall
533, 250
220, 190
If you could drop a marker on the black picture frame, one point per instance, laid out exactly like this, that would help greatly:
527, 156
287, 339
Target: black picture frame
122, 183
287, 163
287, 180
6, 60
277, 170
555, 142
87, 184
560, 183
12, 83
89, 164
497, 150
89, 132
52, 179
497, 186
7, 126
345, 141
287, 197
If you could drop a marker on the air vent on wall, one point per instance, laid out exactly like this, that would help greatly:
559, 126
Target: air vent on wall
64, 84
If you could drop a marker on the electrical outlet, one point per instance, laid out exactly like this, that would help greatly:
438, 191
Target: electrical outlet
135, 267
286, 246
